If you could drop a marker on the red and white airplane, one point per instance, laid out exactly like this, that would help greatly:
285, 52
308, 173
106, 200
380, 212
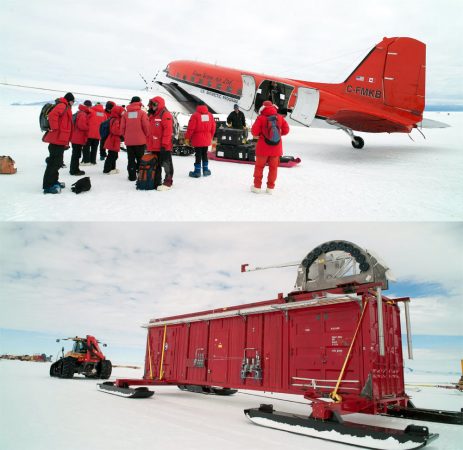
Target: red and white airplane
384, 94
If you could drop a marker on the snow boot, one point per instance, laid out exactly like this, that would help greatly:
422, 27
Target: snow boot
256, 190
269, 191
77, 173
60, 184
55, 189
206, 171
197, 172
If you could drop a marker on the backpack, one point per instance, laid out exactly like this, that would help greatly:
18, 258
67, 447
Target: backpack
43, 118
7, 165
81, 185
149, 174
104, 129
271, 131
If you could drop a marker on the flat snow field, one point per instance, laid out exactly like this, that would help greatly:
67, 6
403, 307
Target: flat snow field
391, 179
38, 412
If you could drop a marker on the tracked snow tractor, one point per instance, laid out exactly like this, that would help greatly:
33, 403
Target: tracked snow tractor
85, 358
335, 339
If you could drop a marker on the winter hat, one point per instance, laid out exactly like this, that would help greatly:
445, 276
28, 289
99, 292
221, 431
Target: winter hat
267, 103
135, 99
236, 106
69, 97
88, 103
109, 105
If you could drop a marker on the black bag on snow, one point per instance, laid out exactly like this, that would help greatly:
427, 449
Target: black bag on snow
81, 185
149, 174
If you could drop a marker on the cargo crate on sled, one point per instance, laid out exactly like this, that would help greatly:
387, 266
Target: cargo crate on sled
335, 339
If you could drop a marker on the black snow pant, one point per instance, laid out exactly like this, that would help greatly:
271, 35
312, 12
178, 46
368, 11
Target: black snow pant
165, 162
134, 155
89, 151
54, 163
201, 155
75, 158
110, 162
102, 149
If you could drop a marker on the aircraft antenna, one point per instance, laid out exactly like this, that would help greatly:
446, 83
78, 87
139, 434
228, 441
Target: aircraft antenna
146, 84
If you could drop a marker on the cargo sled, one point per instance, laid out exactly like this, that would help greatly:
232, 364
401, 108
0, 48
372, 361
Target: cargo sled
335, 339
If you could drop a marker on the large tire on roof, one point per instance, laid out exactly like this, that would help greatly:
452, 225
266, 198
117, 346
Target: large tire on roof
68, 367
105, 369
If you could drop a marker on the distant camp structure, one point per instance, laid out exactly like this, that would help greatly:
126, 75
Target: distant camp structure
36, 357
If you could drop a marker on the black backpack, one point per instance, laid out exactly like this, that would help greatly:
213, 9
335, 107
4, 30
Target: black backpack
104, 129
43, 118
81, 185
149, 176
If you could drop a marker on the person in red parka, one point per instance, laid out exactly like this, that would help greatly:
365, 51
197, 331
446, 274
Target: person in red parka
160, 138
58, 137
79, 136
91, 147
200, 131
267, 152
113, 141
135, 129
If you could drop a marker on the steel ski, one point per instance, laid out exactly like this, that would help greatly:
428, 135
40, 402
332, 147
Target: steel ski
338, 430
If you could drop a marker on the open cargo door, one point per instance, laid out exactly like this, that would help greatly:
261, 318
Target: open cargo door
306, 106
248, 93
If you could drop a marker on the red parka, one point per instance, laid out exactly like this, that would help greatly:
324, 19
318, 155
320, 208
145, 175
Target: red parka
135, 125
60, 119
161, 128
113, 141
201, 127
97, 115
80, 129
262, 148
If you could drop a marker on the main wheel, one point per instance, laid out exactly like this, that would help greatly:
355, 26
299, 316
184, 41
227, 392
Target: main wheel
68, 367
358, 142
105, 369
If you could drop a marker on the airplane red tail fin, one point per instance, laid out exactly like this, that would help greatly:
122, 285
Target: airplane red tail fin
393, 73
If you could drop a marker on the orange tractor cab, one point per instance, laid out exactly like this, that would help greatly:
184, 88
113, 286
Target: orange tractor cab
85, 358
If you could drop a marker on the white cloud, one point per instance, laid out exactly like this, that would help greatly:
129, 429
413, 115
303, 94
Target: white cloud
108, 279
109, 42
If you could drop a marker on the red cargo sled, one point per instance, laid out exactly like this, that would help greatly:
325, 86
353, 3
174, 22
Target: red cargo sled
335, 339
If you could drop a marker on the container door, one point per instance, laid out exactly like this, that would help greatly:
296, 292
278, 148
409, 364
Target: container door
306, 106
218, 354
307, 352
170, 348
248, 94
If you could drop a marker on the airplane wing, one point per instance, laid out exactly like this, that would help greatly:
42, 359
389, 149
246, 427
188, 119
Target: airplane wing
429, 123
177, 100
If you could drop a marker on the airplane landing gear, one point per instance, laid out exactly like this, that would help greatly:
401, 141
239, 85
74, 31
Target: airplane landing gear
358, 142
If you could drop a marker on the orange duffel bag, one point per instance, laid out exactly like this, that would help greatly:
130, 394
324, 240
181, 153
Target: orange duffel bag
7, 165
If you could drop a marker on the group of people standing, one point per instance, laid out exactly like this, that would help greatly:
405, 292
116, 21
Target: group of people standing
142, 131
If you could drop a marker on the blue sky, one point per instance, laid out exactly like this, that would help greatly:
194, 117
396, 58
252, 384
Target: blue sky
107, 43
108, 279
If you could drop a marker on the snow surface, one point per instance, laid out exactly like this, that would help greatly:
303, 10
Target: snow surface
38, 412
392, 178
